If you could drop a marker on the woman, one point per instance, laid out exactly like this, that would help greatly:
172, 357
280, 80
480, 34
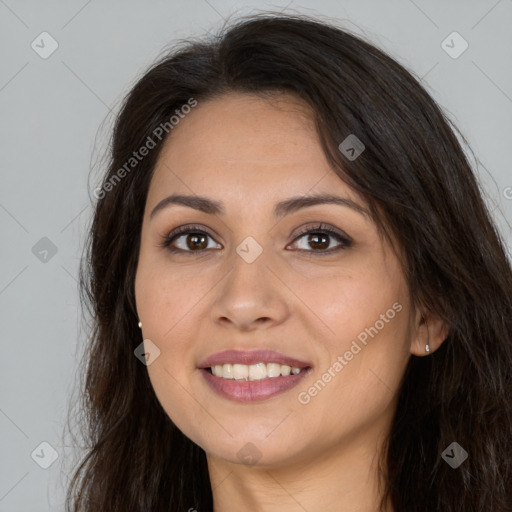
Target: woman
299, 299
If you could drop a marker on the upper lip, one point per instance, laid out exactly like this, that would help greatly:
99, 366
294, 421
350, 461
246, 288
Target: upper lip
249, 357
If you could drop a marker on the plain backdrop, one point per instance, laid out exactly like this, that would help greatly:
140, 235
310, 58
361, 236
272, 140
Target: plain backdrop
55, 117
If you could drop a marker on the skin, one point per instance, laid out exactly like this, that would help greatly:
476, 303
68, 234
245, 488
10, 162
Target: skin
250, 153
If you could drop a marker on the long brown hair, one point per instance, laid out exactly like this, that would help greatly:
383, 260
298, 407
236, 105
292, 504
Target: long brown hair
420, 188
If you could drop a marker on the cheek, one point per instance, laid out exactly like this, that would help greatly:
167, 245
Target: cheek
171, 387
165, 297
351, 302
356, 385
367, 315
164, 309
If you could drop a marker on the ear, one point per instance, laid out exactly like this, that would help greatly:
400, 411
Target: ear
428, 329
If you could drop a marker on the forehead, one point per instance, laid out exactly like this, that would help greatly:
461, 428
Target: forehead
245, 144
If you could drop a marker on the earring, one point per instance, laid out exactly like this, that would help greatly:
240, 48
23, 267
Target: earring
140, 325
427, 348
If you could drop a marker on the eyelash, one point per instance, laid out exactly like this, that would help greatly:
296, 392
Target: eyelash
345, 242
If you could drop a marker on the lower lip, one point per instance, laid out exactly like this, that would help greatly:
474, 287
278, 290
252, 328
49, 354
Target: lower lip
252, 390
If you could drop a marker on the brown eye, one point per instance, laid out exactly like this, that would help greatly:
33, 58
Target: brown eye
319, 240
188, 239
196, 241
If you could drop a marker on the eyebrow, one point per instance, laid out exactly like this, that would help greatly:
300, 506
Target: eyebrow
210, 206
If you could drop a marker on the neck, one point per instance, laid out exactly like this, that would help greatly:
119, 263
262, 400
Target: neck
342, 480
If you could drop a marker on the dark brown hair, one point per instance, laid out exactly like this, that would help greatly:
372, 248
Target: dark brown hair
420, 187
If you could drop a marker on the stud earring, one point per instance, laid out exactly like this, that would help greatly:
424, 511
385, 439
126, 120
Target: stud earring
427, 348
140, 325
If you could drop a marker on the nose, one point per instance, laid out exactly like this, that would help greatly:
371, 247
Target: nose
251, 296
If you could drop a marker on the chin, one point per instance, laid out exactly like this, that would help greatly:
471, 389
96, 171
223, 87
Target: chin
254, 447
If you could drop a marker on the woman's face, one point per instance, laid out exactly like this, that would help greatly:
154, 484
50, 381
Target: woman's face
336, 307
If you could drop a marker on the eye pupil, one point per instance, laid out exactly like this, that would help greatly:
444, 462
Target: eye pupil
195, 237
312, 239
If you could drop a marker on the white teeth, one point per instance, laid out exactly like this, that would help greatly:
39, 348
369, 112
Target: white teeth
285, 370
240, 371
227, 371
273, 369
257, 371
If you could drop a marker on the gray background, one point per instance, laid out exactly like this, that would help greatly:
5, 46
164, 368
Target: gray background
56, 114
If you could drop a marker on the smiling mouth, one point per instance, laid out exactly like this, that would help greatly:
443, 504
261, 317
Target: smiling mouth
254, 372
